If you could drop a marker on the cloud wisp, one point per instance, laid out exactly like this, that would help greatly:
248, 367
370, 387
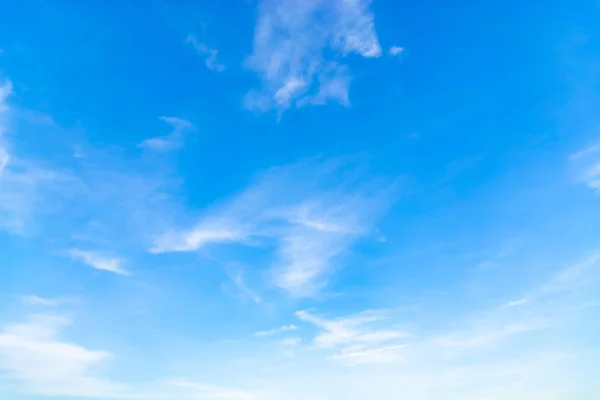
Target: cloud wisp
238, 279
308, 214
98, 261
297, 47
354, 339
23, 184
47, 302
209, 54
276, 331
172, 141
587, 164
395, 51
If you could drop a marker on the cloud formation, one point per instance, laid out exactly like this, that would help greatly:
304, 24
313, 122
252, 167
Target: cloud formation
587, 165
24, 185
297, 50
47, 302
39, 362
312, 212
276, 331
98, 261
395, 51
172, 141
209, 54
353, 338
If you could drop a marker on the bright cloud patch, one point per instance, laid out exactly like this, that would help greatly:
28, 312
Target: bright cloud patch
33, 356
98, 261
299, 48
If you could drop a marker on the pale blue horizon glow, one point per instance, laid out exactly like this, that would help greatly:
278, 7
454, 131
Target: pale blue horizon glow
275, 199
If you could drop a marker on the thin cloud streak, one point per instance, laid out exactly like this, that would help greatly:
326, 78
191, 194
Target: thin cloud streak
47, 302
172, 141
210, 55
354, 339
282, 329
98, 261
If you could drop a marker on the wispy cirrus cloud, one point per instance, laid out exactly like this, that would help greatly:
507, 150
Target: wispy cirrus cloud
369, 336
587, 165
292, 43
98, 261
209, 54
47, 302
276, 331
172, 141
354, 339
238, 278
24, 185
312, 212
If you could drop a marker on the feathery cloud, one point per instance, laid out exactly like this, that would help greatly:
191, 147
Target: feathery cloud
291, 40
98, 261
281, 329
312, 211
46, 302
587, 164
23, 184
238, 278
354, 340
172, 141
209, 54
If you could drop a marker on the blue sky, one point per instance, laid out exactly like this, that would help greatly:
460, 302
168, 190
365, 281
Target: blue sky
275, 199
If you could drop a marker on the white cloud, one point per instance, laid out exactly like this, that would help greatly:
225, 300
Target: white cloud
238, 279
3, 160
587, 165
210, 55
312, 211
585, 152
98, 261
45, 302
5, 92
172, 141
33, 357
23, 185
486, 336
207, 232
354, 339
281, 329
572, 277
23, 189
516, 303
378, 355
291, 43
395, 51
